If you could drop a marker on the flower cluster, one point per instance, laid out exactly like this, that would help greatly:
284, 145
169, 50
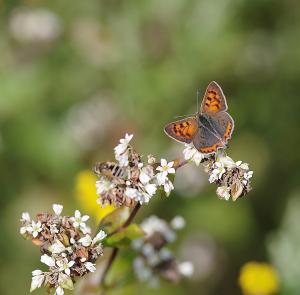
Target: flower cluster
130, 180
232, 178
154, 259
66, 245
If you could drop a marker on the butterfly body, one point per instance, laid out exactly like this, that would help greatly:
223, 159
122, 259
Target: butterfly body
208, 130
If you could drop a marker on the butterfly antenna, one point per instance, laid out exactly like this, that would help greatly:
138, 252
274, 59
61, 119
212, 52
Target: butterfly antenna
197, 100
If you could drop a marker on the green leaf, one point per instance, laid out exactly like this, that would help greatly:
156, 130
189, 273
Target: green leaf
114, 220
124, 237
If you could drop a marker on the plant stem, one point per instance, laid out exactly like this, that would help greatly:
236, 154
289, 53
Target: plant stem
115, 251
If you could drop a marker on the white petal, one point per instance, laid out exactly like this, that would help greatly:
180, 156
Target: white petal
36, 282
57, 247
67, 271
90, 266
23, 230
57, 209
144, 178
59, 291
186, 268
25, 216
99, 237
47, 260
84, 218
85, 241
37, 272
77, 214
161, 178
150, 189
163, 162
171, 171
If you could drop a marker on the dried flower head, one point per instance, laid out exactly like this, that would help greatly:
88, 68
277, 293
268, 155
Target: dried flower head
154, 259
66, 245
130, 180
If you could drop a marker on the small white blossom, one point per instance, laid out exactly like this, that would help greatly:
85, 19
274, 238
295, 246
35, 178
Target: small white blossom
85, 241
177, 222
168, 187
122, 146
78, 220
191, 154
223, 192
151, 159
47, 260
64, 265
103, 185
35, 228
57, 247
242, 165
37, 279
90, 266
150, 189
219, 170
247, 176
59, 291
25, 217
53, 229
146, 174
131, 192
166, 167
225, 161
186, 268
57, 209
99, 237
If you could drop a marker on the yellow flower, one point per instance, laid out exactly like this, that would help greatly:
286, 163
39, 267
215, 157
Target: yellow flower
86, 195
258, 279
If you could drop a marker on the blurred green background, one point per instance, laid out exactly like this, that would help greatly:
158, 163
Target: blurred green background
75, 76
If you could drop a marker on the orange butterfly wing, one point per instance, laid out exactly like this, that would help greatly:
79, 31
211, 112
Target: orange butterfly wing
214, 99
183, 130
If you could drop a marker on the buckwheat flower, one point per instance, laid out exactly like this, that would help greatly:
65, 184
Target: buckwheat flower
177, 222
225, 161
35, 228
57, 209
64, 265
165, 167
191, 154
122, 146
99, 237
242, 165
57, 247
47, 260
85, 241
25, 217
168, 187
38, 278
223, 192
59, 291
219, 169
90, 266
186, 268
78, 220
103, 185
247, 176
150, 189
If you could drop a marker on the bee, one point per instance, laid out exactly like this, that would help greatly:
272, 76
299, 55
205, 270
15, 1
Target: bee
111, 170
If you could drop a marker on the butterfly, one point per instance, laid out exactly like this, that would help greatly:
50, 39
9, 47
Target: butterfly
210, 128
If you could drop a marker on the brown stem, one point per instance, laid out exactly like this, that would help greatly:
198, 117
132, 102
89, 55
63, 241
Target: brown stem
115, 251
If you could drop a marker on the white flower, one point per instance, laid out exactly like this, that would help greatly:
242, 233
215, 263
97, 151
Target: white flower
59, 291
37, 279
78, 220
190, 153
90, 266
35, 228
212, 177
64, 265
168, 187
151, 189
47, 260
86, 241
177, 222
53, 229
219, 170
103, 185
166, 167
225, 161
57, 247
57, 209
25, 217
242, 165
223, 192
186, 268
146, 174
247, 176
99, 237
122, 146
131, 193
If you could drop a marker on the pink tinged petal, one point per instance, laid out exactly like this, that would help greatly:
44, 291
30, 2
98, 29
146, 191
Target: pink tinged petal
170, 164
